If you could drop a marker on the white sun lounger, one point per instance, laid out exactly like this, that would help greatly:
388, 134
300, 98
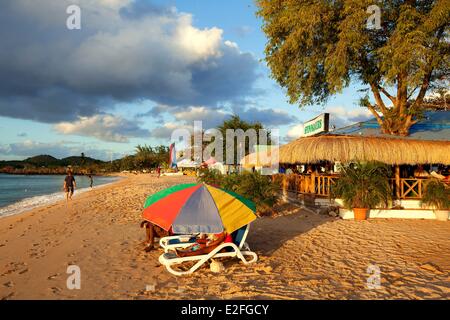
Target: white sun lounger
240, 250
177, 242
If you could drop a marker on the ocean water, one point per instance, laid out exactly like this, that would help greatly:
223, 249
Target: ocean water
19, 193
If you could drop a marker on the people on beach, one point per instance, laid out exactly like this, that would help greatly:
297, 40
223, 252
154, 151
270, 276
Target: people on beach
158, 171
69, 185
91, 181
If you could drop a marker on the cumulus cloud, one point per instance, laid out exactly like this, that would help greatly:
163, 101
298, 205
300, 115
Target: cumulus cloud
340, 116
267, 116
60, 149
126, 51
295, 132
165, 131
212, 117
105, 127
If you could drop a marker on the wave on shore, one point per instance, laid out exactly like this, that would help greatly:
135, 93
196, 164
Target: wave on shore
43, 200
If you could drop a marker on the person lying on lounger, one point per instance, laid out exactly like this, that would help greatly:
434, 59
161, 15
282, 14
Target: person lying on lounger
203, 245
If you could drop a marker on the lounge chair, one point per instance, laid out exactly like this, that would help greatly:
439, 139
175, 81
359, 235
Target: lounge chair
177, 242
238, 248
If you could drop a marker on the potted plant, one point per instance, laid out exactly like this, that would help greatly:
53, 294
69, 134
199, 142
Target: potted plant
437, 197
362, 186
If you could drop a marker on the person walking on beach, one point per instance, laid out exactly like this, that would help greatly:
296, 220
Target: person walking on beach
91, 180
69, 185
158, 171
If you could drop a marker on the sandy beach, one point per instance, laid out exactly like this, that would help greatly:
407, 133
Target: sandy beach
302, 255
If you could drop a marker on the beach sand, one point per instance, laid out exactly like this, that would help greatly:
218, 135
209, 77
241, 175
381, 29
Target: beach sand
301, 255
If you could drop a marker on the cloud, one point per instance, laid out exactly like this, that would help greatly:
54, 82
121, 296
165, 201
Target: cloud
59, 149
126, 51
105, 127
267, 116
210, 118
243, 31
22, 134
340, 116
165, 131
295, 132
184, 117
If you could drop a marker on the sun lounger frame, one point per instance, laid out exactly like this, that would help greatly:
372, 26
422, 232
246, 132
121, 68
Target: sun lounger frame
165, 242
236, 251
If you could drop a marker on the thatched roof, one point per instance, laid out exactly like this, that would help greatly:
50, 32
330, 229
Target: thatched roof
427, 143
350, 148
260, 159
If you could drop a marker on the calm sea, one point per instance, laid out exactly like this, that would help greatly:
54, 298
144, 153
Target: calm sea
19, 193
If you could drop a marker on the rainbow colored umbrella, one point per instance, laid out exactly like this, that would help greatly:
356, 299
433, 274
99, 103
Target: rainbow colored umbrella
193, 208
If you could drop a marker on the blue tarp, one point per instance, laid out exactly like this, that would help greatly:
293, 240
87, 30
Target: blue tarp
435, 125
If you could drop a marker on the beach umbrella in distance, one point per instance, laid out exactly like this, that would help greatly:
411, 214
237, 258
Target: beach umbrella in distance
194, 208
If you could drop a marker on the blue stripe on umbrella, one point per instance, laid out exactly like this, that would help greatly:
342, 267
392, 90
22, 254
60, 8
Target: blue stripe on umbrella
199, 214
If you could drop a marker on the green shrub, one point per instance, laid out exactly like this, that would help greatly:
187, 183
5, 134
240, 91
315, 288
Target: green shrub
258, 188
251, 185
363, 185
231, 181
213, 177
436, 195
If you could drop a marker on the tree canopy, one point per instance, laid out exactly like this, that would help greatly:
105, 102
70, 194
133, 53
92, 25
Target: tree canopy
233, 123
316, 48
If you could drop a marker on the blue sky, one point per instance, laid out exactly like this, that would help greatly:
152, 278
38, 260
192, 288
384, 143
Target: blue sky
134, 72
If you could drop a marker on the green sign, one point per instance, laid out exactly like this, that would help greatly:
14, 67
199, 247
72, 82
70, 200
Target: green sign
316, 125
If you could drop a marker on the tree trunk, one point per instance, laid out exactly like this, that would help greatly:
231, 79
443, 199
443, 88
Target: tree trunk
396, 124
395, 120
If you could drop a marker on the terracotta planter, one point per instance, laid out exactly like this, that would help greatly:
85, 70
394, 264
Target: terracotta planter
441, 215
361, 213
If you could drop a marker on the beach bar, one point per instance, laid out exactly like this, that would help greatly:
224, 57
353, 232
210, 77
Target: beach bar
309, 166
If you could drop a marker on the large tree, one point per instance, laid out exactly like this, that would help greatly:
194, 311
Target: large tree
316, 48
232, 123
147, 156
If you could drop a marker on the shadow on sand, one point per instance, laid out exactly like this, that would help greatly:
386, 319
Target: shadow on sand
267, 234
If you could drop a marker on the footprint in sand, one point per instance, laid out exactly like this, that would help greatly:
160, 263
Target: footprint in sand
431, 268
56, 290
14, 267
9, 296
23, 271
53, 276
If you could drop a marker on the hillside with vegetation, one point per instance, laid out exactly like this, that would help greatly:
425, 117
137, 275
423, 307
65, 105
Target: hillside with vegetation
144, 158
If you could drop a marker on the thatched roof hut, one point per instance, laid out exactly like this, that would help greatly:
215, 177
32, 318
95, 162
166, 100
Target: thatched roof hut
260, 159
428, 143
349, 148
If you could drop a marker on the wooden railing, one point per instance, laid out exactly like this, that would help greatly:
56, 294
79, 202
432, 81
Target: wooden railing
320, 185
408, 188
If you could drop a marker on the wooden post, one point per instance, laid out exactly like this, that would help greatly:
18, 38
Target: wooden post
285, 184
397, 181
420, 188
313, 183
328, 185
